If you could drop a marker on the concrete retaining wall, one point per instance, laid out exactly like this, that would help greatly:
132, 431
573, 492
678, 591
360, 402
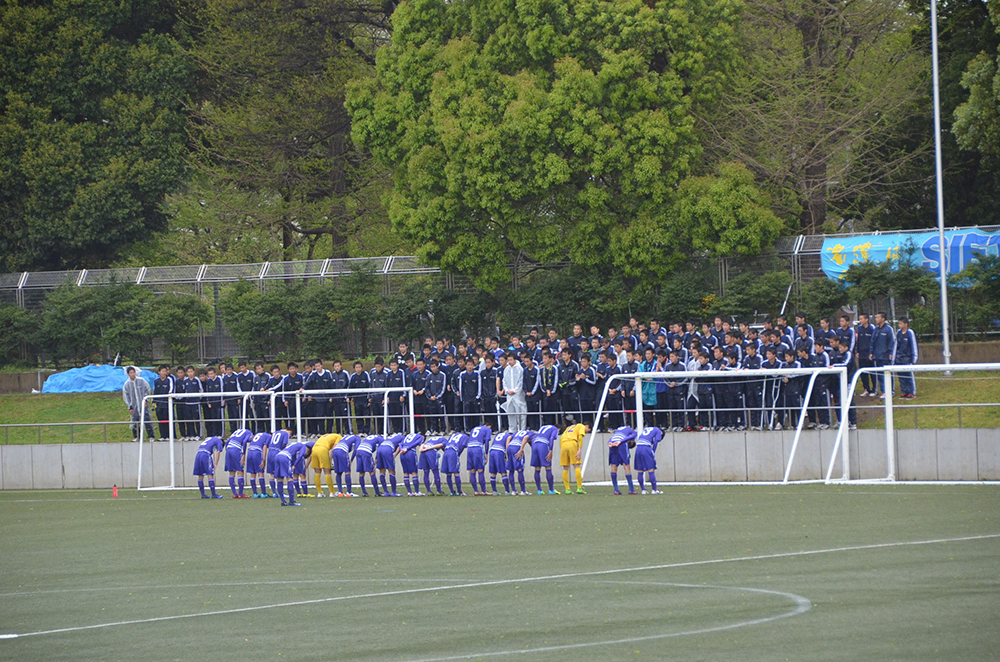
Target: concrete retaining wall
945, 454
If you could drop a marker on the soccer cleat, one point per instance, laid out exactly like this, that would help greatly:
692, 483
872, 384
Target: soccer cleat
554, 492
632, 492
642, 492
569, 491
656, 492
293, 503
395, 494
217, 496
319, 496
205, 496
283, 503
541, 492
580, 490
617, 493
236, 496
523, 493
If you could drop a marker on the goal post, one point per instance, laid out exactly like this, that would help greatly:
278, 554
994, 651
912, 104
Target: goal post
159, 479
738, 376
887, 373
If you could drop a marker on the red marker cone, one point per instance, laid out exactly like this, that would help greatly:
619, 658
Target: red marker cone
114, 492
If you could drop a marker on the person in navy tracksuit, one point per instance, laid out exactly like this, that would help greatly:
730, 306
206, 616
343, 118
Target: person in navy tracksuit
532, 382
906, 354
341, 407
863, 349
244, 384
212, 404
190, 420
883, 349
470, 390
397, 378
437, 386
379, 377
322, 408
163, 385
361, 381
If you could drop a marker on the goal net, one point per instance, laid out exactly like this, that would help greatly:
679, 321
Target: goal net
166, 462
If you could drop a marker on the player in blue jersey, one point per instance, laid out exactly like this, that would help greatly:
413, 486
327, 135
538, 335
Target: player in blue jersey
385, 460
256, 450
284, 466
515, 458
276, 444
645, 457
342, 463
428, 461
300, 474
364, 461
542, 445
498, 460
618, 456
204, 464
408, 461
475, 458
451, 463
236, 451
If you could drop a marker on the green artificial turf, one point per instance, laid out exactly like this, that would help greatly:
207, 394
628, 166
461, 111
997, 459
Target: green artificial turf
462, 578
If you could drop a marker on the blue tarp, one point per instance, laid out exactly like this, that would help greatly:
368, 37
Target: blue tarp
91, 379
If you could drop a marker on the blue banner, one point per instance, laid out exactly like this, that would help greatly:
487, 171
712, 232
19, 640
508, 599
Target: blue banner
962, 246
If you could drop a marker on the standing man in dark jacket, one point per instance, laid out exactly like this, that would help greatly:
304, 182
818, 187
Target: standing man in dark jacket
863, 348
883, 349
906, 354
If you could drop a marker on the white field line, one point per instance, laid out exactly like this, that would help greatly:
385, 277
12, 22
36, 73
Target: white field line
502, 582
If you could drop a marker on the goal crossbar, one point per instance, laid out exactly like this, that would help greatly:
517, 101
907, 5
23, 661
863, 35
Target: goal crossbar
733, 375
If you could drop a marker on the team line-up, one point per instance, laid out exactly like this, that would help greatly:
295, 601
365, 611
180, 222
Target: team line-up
276, 461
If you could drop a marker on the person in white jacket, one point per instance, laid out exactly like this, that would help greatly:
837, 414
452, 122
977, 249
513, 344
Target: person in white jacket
133, 392
513, 387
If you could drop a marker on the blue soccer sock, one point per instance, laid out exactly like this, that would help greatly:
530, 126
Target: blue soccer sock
263, 487
274, 486
538, 479
631, 487
303, 487
437, 480
392, 482
510, 479
201, 486
652, 480
614, 480
520, 479
381, 479
241, 482
347, 478
290, 488
406, 481
506, 483
281, 490
375, 486
458, 483
451, 484
211, 486
232, 485
549, 478
427, 479
340, 483
493, 483
361, 480
253, 486
642, 485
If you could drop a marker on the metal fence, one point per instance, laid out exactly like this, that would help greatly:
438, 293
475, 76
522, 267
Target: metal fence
799, 255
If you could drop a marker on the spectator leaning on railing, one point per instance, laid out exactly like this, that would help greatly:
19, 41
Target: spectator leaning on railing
133, 392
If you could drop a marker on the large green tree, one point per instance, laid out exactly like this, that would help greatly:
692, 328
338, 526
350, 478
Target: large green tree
977, 121
91, 128
545, 129
278, 176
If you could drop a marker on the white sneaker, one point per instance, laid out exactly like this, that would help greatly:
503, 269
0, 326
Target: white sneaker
882, 397
656, 492
642, 492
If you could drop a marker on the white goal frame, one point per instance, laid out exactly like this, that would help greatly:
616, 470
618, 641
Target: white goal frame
272, 397
888, 372
736, 375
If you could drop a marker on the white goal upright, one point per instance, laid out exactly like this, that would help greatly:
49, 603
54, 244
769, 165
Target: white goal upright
159, 463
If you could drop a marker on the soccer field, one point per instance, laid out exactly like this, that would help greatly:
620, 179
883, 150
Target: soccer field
748, 573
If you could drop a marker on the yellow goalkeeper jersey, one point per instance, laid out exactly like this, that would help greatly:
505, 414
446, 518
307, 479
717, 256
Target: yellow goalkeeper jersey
574, 434
326, 442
